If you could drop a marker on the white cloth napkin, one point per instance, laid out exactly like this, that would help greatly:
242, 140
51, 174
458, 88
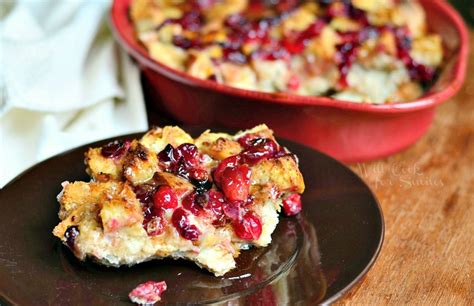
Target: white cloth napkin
63, 82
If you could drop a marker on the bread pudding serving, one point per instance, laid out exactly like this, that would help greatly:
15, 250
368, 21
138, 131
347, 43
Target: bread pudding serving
169, 195
376, 51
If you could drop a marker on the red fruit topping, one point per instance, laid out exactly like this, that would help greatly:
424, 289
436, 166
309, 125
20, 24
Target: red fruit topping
234, 55
191, 21
296, 43
261, 149
114, 149
155, 226
229, 162
189, 153
71, 234
345, 56
249, 201
200, 179
181, 223
194, 202
418, 72
249, 228
248, 140
235, 183
167, 155
183, 42
147, 293
165, 198
292, 204
232, 210
198, 174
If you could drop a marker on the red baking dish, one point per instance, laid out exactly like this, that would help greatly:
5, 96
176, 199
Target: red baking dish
347, 131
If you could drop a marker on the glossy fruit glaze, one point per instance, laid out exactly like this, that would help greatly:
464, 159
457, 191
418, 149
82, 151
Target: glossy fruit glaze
221, 194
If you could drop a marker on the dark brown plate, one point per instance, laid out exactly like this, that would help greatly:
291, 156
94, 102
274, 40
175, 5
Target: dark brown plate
314, 258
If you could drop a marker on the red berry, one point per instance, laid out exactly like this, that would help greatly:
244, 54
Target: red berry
232, 210
263, 148
247, 140
292, 204
194, 202
165, 198
189, 153
235, 183
231, 162
249, 228
115, 149
181, 223
147, 293
198, 174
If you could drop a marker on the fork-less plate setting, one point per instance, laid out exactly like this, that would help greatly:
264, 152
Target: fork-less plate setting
314, 258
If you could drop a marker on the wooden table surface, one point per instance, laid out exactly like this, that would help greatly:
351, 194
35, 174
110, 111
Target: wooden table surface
427, 196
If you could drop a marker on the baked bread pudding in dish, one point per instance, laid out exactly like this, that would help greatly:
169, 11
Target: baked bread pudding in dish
376, 51
169, 195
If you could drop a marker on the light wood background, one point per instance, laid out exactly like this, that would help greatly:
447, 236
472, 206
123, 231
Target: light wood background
427, 196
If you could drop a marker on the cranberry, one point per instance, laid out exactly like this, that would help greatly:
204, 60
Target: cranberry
191, 20
147, 293
181, 223
249, 227
71, 234
179, 160
234, 55
200, 179
278, 53
144, 193
345, 56
297, 42
419, 72
358, 15
231, 161
165, 198
115, 149
262, 149
189, 153
247, 140
235, 183
182, 42
156, 225
249, 201
232, 210
292, 204
166, 155
194, 202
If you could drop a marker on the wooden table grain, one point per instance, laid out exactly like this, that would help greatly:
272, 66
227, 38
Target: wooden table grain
427, 196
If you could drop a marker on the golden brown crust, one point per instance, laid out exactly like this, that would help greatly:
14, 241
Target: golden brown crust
281, 173
140, 164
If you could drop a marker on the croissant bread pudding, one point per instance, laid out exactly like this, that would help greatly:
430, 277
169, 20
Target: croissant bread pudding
169, 195
376, 51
